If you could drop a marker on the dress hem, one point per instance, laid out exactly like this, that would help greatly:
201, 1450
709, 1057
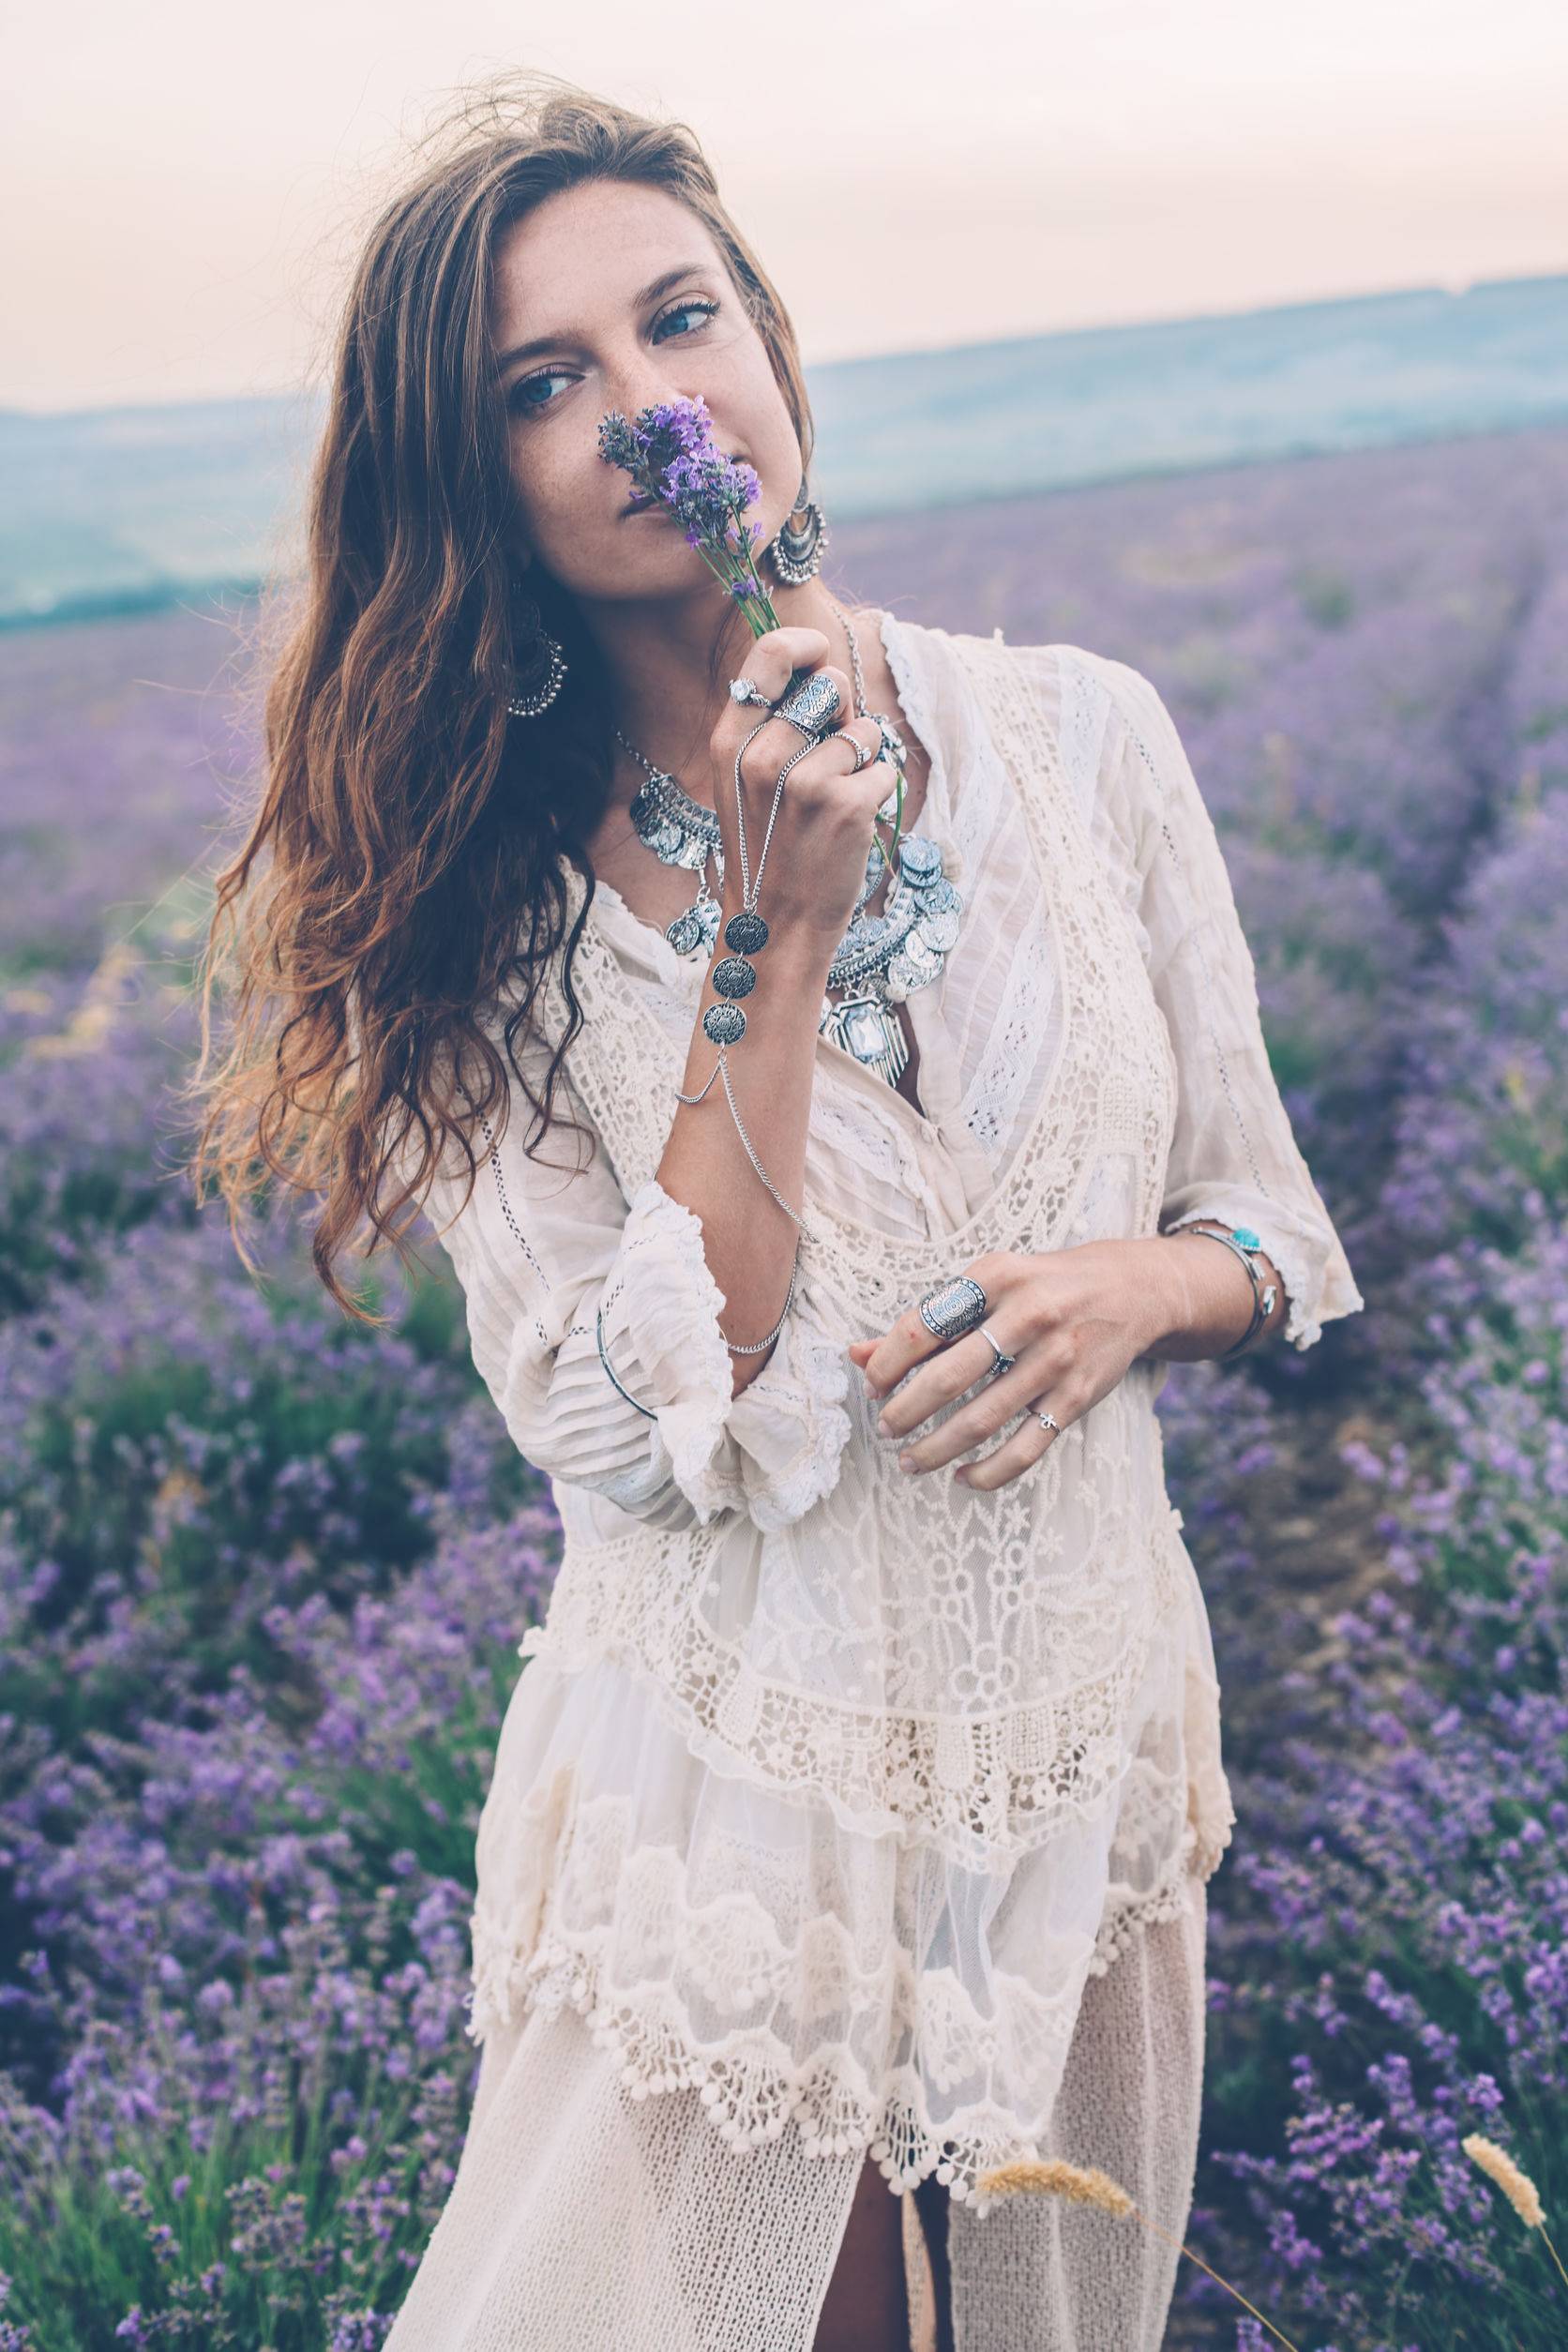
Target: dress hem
751, 2099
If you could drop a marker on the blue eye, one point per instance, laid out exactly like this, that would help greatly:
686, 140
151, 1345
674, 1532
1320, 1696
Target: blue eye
515, 398
676, 309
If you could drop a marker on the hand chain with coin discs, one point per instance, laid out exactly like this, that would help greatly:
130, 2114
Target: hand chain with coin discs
881, 957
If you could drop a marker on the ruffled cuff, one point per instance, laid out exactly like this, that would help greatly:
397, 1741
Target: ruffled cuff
1308, 1253
771, 1452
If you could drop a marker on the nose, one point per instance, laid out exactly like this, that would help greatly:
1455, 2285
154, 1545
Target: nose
642, 386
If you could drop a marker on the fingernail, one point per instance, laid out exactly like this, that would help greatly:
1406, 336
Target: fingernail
906, 1461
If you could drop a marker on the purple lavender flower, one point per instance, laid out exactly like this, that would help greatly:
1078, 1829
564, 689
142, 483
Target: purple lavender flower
673, 458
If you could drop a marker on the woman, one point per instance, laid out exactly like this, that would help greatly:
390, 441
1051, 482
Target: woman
851, 1822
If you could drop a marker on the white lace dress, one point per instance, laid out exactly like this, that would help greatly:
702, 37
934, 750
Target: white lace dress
838, 1813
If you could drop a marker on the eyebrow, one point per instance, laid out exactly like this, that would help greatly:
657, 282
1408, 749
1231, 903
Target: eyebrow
650, 293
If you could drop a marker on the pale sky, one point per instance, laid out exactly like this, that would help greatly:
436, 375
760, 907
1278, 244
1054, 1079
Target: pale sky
183, 185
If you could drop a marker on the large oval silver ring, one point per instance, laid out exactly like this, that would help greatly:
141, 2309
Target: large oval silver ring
813, 705
949, 1309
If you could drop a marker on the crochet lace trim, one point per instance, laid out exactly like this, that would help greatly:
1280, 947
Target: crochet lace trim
950, 1780
663, 1983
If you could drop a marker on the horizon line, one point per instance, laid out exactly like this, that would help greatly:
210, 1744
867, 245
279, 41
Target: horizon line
1455, 291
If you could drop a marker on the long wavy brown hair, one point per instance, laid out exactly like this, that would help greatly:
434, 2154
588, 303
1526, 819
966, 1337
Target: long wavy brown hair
402, 881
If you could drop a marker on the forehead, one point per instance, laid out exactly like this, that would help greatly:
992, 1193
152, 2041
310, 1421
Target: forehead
586, 252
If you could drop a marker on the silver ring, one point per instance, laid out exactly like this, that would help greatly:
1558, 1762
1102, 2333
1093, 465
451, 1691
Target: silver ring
862, 758
1005, 1363
949, 1309
748, 690
812, 704
1048, 1421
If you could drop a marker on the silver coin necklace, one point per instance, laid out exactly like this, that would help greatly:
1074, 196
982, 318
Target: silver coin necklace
881, 960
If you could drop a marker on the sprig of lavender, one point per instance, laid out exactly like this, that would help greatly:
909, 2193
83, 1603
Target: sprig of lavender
672, 456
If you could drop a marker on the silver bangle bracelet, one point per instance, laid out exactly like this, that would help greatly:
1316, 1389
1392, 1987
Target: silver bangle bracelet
1244, 1243
598, 1327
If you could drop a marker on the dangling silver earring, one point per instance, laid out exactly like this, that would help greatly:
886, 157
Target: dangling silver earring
543, 651
796, 556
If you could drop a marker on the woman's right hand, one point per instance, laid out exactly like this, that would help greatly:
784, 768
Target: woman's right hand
823, 834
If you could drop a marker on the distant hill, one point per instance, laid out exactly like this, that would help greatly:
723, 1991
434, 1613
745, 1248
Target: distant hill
115, 509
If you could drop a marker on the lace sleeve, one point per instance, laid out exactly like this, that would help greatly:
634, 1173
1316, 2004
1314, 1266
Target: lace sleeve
1233, 1156
540, 1249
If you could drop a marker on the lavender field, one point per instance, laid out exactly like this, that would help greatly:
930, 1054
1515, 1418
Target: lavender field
262, 1575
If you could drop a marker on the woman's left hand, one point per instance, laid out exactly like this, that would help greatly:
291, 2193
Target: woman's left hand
1075, 1318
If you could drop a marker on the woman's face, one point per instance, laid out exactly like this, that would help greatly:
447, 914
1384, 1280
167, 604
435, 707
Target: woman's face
622, 297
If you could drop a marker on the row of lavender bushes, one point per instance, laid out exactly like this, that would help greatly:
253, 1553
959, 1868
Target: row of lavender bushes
1390, 1957
262, 1576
